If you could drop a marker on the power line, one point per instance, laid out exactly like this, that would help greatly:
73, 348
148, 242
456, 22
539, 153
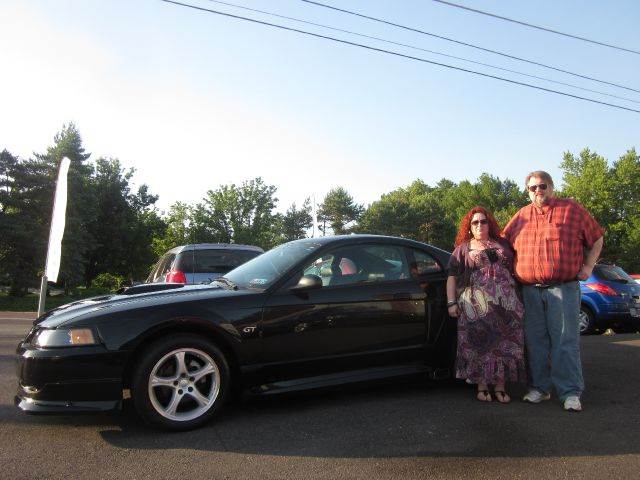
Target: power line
468, 45
451, 4
421, 49
325, 37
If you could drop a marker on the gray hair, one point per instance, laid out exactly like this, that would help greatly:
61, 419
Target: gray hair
542, 175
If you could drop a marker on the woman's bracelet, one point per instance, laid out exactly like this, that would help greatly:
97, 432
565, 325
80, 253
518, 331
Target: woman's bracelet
451, 303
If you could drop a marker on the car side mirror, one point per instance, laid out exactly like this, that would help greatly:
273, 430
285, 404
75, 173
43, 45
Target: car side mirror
308, 282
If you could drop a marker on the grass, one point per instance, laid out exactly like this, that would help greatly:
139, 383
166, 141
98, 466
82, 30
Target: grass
29, 303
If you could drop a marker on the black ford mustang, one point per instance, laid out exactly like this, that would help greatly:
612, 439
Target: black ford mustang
307, 314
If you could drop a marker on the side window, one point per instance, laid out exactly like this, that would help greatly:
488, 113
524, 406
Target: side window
184, 262
360, 264
321, 267
385, 263
163, 266
424, 264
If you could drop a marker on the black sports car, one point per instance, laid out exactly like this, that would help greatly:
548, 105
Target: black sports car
308, 314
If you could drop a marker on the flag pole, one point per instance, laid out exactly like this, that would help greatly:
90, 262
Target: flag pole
43, 294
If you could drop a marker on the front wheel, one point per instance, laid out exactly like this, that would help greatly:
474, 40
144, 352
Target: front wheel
180, 382
586, 321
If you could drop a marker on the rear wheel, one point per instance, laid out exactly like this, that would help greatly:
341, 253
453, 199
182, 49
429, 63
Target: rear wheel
180, 383
586, 321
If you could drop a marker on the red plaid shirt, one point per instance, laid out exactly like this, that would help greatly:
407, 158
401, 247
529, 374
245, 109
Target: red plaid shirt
550, 241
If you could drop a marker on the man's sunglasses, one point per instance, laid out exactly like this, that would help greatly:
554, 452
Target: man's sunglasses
541, 186
475, 223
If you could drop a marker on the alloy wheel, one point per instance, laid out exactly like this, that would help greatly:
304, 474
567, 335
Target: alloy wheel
184, 384
584, 321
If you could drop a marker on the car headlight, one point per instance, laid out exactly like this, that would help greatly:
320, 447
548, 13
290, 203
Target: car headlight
63, 337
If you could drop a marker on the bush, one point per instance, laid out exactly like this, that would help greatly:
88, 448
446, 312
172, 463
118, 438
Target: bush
107, 281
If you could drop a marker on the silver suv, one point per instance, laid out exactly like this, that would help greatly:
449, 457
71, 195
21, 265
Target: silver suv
201, 262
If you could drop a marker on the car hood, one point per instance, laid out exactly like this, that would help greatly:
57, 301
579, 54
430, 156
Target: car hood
132, 298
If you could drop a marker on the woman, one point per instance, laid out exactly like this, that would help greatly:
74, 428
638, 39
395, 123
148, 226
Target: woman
482, 294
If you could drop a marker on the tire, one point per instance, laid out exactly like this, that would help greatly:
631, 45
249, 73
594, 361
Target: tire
180, 382
586, 321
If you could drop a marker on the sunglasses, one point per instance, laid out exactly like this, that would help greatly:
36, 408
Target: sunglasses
475, 223
541, 186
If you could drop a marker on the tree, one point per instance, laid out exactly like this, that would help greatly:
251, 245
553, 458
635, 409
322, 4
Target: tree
339, 210
612, 195
588, 179
25, 200
123, 226
502, 197
77, 242
176, 231
241, 214
412, 212
295, 222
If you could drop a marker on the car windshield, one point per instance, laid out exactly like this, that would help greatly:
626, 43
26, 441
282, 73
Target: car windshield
613, 274
263, 271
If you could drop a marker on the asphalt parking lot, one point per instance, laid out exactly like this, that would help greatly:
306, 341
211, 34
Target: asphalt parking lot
409, 429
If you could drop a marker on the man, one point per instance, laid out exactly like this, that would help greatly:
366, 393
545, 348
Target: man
557, 243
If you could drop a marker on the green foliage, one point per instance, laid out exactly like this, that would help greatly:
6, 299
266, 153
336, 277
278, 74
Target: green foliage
107, 227
432, 214
612, 195
294, 223
26, 193
412, 212
338, 210
113, 235
177, 229
107, 281
81, 207
230, 214
242, 214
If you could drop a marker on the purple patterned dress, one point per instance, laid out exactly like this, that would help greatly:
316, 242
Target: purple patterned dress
490, 331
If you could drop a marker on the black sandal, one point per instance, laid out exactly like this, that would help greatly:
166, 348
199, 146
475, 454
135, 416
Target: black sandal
486, 394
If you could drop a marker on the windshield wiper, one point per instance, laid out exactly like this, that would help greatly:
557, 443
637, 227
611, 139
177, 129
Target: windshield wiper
227, 282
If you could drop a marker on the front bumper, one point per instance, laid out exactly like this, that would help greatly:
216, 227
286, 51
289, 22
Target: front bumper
29, 405
77, 379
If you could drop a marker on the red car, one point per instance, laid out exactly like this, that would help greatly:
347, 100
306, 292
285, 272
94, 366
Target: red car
636, 277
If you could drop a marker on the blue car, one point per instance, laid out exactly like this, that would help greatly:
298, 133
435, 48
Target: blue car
610, 299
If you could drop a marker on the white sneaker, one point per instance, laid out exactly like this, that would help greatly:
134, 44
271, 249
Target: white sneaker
572, 404
534, 396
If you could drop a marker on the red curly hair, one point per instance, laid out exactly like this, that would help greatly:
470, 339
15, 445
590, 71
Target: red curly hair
464, 233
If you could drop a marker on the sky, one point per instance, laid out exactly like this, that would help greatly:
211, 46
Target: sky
194, 100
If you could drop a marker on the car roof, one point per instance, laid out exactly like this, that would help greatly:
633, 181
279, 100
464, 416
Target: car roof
363, 238
215, 246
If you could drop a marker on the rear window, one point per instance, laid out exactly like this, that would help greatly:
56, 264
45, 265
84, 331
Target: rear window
612, 274
221, 260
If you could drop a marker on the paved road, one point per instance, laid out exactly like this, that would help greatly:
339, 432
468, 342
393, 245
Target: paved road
409, 430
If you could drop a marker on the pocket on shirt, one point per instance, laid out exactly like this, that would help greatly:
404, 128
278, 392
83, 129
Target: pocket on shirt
553, 231
552, 234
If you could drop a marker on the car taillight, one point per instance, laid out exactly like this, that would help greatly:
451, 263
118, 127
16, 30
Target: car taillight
603, 289
175, 276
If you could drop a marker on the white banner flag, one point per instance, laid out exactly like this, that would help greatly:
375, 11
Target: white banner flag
57, 223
